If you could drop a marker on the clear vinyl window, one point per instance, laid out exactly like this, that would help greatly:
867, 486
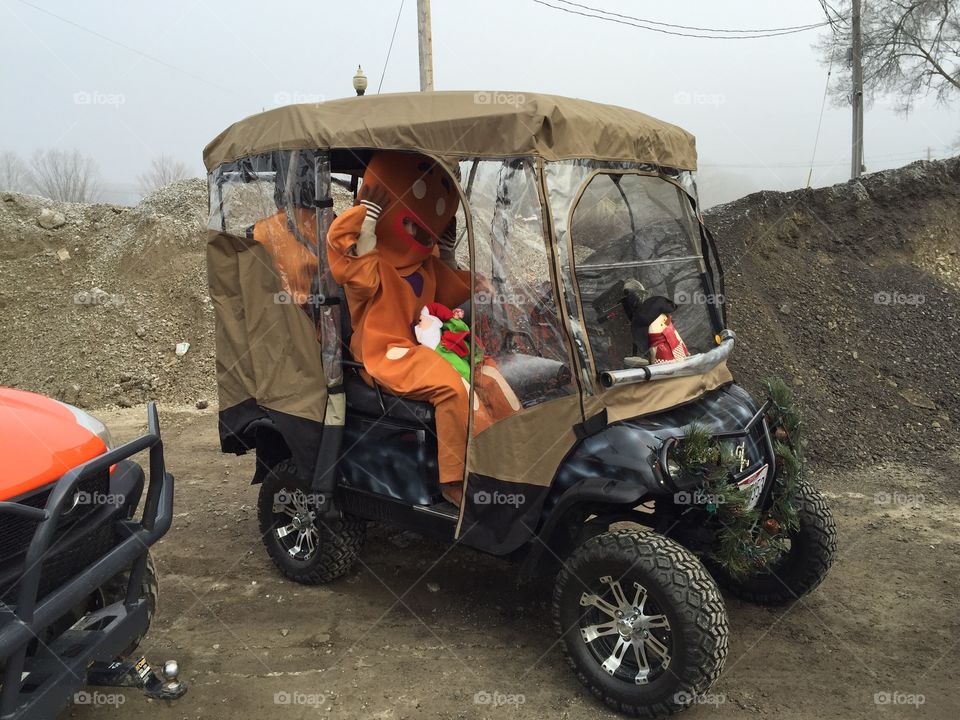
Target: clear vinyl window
271, 199
638, 270
517, 321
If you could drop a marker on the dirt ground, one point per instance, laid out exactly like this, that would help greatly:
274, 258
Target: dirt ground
420, 630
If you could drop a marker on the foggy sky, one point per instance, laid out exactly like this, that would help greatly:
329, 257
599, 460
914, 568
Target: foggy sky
753, 104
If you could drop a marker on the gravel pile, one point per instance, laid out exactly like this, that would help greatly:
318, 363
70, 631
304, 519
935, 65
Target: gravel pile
851, 294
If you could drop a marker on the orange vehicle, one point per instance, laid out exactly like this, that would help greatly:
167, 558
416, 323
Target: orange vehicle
78, 588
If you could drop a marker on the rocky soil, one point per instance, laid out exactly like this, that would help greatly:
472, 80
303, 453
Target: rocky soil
852, 294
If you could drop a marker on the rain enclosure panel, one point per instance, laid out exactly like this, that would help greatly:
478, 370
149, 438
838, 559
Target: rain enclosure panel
268, 296
512, 462
618, 222
515, 316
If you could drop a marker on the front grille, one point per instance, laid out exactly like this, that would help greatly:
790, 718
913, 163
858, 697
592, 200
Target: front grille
61, 566
17, 532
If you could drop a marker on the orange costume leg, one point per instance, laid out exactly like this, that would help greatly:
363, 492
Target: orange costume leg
422, 374
495, 393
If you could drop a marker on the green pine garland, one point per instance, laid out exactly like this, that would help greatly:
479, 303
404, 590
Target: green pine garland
745, 543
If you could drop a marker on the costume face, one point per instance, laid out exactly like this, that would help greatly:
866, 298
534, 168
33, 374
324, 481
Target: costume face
658, 325
423, 200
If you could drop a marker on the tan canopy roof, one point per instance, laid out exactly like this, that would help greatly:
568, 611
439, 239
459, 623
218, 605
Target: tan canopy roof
453, 125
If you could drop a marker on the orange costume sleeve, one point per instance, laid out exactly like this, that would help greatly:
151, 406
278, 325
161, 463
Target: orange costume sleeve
357, 272
453, 286
294, 258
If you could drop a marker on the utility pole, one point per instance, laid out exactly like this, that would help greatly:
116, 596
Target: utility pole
426, 45
929, 153
856, 60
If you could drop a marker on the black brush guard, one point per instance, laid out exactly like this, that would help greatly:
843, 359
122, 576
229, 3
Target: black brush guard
40, 685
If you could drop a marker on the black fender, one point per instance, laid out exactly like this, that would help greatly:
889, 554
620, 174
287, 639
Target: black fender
564, 525
616, 467
624, 451
608, 473
273, 434
271, 447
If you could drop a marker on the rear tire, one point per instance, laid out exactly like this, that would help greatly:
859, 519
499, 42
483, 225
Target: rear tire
669, 643
806, 563
302, 544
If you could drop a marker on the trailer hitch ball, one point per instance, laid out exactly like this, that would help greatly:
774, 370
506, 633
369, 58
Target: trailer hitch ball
171, 679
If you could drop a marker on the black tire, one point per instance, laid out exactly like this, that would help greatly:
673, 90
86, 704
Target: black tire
336, 544
805, 565
116, 590
678, 590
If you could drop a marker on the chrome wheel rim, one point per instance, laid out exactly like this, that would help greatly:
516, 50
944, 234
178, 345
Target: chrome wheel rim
628, 636
294, 524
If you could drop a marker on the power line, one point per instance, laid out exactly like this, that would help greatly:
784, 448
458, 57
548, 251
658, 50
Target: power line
127, 47
830, 12
390, 49
686, 27
657, 27
823, 105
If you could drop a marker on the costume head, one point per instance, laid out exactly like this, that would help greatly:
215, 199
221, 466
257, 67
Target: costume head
423, 200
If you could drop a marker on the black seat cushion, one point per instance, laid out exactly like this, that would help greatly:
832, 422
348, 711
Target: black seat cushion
364, 399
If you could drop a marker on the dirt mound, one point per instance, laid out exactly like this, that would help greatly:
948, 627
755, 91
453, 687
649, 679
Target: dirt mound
95, 298
107, 305
851, 292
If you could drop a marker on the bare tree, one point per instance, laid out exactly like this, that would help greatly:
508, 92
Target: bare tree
164, 169
64, 175
14, 174
911, 49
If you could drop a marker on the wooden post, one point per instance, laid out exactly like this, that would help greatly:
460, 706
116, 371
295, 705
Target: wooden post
426, 45
856, 159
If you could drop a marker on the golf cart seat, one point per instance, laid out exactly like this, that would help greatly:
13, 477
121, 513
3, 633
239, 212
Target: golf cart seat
532, 377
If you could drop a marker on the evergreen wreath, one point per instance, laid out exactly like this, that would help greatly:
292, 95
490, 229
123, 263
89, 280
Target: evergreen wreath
748, 541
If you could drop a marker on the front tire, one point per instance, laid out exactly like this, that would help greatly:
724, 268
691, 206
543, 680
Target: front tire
643, 624
302, 544
116, 590
805, 564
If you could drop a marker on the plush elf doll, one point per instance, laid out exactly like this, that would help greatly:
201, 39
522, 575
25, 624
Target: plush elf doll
651, 326
666, 345
445, 331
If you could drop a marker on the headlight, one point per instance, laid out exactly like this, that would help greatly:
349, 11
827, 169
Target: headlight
88, 421
673, 468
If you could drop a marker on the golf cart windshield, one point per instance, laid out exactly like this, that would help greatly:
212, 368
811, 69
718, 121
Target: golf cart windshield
630, 230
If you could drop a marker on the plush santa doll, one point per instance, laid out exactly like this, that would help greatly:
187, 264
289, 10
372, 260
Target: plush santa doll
444, 330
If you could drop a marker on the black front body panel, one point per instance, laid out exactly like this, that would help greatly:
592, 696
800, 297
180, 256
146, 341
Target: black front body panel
395, 459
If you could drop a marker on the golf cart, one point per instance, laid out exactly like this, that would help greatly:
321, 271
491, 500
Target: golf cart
575, 219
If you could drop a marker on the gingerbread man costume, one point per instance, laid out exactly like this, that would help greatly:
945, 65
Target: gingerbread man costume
385, 253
